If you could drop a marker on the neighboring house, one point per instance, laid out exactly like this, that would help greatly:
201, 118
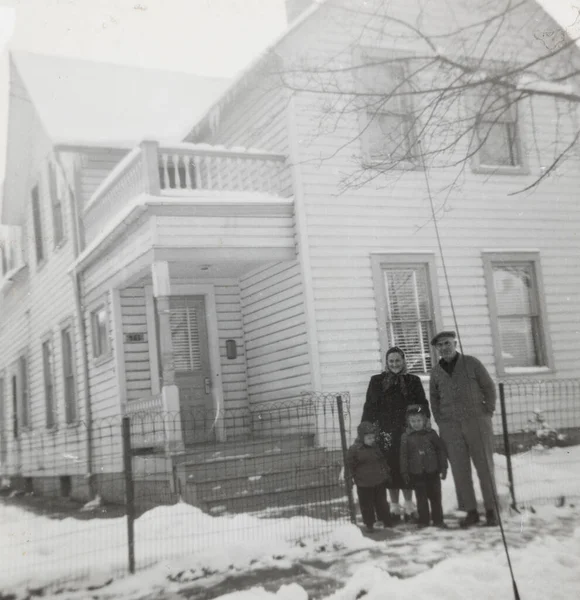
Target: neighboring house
212, 278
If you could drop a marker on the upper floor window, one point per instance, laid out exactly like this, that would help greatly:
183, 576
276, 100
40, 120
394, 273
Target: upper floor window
516, 309
386, 116
497, 136
56, 199
100, 332
37, 225
406, 306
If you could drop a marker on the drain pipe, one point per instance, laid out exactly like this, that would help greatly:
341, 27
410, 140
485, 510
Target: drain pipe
87, 392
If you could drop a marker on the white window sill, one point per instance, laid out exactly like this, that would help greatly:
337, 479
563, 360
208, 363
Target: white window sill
500, 170
527, 370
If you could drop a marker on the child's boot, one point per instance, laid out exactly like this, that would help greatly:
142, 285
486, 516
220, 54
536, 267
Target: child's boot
395, 512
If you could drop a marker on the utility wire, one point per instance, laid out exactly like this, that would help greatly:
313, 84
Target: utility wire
452, 304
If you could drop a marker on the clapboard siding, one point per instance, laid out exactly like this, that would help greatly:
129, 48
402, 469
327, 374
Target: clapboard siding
392, 213
256, 119
226, 232
34, 308
277, 356
136, 355
96, 164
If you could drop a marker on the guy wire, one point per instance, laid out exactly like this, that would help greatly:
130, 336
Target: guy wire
452, 304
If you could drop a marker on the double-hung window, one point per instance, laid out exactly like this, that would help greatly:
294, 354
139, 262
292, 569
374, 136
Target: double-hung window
24, 392
406, 306
49, 398
387, 119
56, 198
68, 372
37, 225
515, 292
497, 139
100, 332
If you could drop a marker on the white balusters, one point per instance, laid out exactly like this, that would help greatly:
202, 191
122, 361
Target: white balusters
197, 172
164, 160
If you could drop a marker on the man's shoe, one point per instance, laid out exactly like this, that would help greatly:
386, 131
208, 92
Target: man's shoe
369, 528
472, 518
441, 525
491, 518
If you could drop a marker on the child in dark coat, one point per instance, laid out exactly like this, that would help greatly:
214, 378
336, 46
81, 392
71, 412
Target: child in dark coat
424, 464
369, 469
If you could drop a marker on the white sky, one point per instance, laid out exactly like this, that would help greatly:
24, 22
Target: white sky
207, 37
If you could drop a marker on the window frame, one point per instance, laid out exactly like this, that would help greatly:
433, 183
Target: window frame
524, 257
22, 371
71, 408
406, 259
57, 206
479, 167
365, 122
36, 206
49, 383
100, 353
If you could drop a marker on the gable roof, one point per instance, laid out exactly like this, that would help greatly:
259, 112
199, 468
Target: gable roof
104, 103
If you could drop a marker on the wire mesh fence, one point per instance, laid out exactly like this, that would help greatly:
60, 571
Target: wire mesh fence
157, 491
541, 440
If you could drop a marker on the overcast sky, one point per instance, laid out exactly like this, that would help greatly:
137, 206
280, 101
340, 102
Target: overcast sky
207, 37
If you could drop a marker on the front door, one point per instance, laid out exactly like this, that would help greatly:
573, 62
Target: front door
192, 370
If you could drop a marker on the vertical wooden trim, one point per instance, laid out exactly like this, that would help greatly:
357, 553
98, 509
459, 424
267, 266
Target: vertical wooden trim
303, 248
152, 341
118, 346
150, 157
492, 307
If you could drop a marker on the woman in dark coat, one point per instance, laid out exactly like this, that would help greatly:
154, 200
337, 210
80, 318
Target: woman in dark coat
388, 396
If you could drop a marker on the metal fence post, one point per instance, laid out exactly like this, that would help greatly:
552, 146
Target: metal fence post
506, 444
347, 477
129, 491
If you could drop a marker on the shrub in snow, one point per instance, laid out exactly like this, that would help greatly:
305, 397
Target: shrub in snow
545, 435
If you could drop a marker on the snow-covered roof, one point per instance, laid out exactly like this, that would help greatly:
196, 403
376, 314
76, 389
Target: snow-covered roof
106, 103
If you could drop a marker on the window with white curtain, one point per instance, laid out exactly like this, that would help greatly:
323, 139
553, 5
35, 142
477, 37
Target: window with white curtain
516, 308
406, 306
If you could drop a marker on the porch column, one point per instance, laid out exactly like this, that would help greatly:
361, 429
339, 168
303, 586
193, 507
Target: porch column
169, 391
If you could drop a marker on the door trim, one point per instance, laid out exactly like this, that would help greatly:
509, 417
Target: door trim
207, 290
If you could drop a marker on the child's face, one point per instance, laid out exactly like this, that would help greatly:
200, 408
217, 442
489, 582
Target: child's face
417, 422
369, 439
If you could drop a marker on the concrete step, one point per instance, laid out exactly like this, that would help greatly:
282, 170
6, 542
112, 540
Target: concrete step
273, 481
246, 465
240, 447
257, 501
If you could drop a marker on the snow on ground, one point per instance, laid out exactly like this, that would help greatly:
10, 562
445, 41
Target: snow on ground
182, 545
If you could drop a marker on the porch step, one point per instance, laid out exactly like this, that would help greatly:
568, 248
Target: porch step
242, 447
301, 496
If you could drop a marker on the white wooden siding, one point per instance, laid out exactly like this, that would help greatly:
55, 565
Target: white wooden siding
254, 231
96, 164
392, 214
275, 332
137, 363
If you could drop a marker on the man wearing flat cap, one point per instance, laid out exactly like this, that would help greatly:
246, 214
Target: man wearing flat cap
462, 396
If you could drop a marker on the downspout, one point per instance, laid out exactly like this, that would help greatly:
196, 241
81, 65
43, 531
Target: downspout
87, 392
77, 291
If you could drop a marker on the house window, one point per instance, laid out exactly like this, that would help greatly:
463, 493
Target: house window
70, 401
56, 201
100, 332
48, 384
406, 306
24, 392
37, 224
516, 308
386, 117
498, 136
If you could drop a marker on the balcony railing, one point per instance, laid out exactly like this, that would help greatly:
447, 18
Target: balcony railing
184, 170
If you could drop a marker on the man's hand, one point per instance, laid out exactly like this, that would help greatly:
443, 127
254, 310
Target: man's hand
443, 475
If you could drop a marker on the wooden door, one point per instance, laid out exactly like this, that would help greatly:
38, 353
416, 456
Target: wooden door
192, 369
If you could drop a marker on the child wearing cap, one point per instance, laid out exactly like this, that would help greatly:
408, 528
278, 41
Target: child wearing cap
369, 469
424, 464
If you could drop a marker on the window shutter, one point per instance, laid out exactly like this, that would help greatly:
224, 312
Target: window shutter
185, 337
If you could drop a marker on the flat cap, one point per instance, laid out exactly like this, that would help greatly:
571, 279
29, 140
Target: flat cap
443, 334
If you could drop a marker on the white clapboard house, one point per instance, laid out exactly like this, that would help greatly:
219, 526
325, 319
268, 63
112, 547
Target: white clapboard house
194, 251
